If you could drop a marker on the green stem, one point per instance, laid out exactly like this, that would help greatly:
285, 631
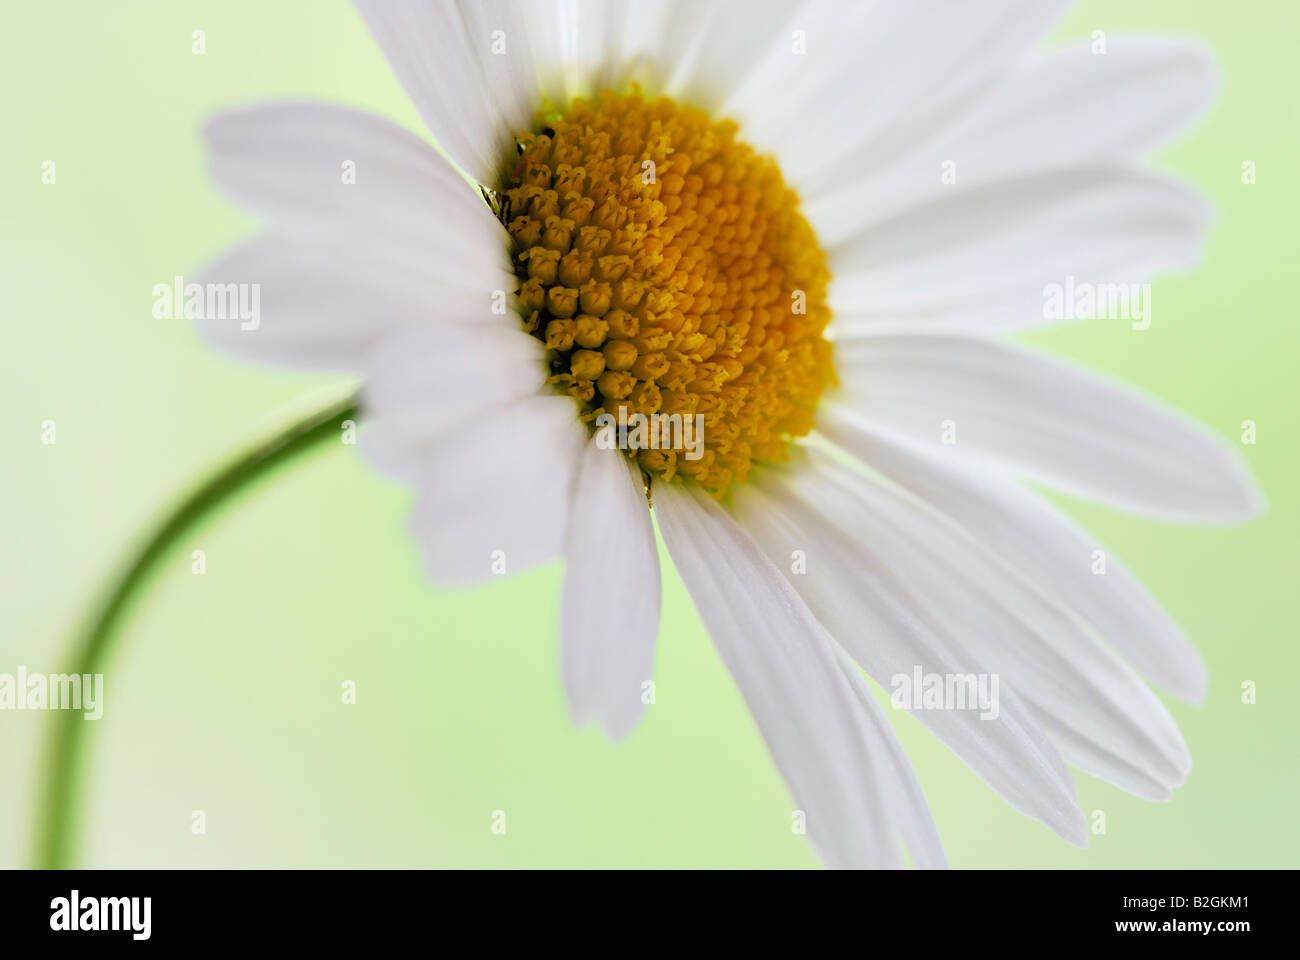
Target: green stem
58, 812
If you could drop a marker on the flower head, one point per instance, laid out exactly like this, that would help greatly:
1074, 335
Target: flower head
802, 225
667, 269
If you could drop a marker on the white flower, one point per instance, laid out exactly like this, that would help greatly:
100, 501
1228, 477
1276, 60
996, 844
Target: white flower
951, 175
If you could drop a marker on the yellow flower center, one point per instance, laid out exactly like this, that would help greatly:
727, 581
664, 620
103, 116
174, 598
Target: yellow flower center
668, 270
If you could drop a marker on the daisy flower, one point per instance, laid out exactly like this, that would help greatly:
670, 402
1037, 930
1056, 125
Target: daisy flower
744, 270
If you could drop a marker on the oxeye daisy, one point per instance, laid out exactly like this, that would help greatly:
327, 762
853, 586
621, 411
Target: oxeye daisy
743, 270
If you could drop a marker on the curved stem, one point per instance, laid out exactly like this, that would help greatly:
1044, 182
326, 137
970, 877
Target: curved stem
58, 812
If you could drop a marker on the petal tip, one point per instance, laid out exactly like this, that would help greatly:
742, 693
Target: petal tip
1076, 830
618, 729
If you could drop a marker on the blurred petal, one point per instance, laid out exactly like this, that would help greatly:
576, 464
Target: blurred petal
890, 630
1055, 110
982, 259
1050, 420
813, 718
494, 494
1094, 709
423, 382
295, 163
1043, 544
609, 611
875, 78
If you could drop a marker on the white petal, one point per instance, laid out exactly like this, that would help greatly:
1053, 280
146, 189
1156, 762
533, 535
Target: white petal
407, 204
695, 50
1042, 544
609, 611
576, 48
788, 672
502, 36
422, 382
579, 43
1095, 710
909, 810
479, 72
890, 630
983, 259
1050, 420
877, 77
439, 63
494, 494
642, 42
1061, 109
714, 48
309, 304
698, 51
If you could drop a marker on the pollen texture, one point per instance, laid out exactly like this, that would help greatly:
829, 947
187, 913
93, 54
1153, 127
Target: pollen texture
668, 270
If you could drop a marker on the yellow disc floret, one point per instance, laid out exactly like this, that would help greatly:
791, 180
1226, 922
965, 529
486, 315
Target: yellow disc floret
668, 270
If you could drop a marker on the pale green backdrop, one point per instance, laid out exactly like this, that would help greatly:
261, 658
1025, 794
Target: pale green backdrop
225, 696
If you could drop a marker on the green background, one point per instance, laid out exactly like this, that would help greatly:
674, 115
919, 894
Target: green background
225, 693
